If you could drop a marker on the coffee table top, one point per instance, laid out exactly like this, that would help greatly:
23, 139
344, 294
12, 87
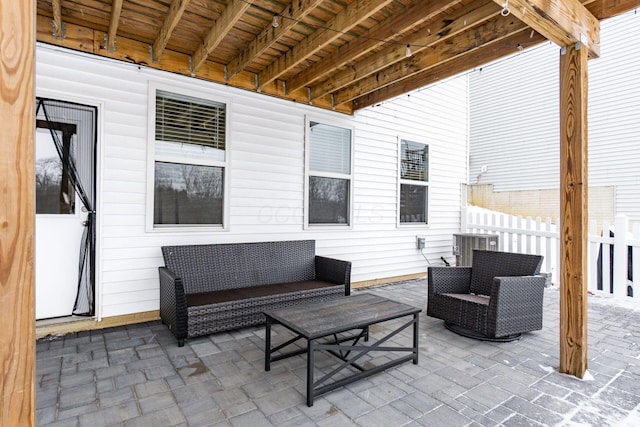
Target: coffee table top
339, 315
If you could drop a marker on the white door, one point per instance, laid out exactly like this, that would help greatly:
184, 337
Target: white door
59, 227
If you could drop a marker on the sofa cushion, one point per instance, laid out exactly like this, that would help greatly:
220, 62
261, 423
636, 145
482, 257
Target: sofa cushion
205, 298
248, 292
489, 264
307, 285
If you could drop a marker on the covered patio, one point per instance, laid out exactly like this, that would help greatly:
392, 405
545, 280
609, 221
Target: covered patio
138, 376
342, 56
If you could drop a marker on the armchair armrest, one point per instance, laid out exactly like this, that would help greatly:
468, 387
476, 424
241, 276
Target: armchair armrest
334, 271
173, 304
449, 280
515, 304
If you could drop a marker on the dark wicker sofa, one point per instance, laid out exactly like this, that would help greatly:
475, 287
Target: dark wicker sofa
497, 298
211, 288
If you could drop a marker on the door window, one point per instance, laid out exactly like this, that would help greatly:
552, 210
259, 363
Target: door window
54, 191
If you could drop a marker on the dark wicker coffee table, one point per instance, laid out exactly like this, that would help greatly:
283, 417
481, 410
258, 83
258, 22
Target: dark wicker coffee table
323, 326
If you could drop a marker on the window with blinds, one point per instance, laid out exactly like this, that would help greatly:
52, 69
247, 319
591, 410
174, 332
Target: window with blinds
329, 174
330, 149
188, 120
413, 199
189, 172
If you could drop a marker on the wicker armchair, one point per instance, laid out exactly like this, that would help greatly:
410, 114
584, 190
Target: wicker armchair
497, 298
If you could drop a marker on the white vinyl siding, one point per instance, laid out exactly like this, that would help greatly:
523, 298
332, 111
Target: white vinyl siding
514, 121
266, 174
614, 113
514, 118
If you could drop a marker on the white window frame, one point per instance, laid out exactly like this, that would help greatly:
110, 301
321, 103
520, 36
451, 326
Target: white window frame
152, 158
308, 173
413, 182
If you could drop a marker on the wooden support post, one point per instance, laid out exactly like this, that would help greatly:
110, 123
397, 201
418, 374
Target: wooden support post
17, 216
573, 210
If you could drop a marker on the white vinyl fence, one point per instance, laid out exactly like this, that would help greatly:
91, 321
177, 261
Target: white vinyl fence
613, 263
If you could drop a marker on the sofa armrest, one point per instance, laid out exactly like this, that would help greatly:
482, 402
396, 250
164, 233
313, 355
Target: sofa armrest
334, 271
516, 304
173, 304
448, 280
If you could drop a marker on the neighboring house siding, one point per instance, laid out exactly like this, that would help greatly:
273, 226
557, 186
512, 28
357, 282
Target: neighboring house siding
614, 113
514, 118
266, 173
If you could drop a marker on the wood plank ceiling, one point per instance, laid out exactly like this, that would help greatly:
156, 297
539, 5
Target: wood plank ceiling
337, 54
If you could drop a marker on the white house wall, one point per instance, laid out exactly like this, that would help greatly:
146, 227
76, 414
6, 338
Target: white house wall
266, 173
514, 118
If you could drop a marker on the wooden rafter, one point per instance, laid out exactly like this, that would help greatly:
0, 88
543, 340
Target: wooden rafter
319, 64
231, 14
375, 37
563, 22
603, 9
442, 30
492, 30
474, 58
344, 21
116, 9
269, 35
57, 19
176, 9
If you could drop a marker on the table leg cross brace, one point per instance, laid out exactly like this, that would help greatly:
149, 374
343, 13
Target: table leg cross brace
315, 388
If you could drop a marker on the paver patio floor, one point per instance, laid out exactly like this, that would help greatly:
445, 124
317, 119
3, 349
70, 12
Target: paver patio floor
138, 376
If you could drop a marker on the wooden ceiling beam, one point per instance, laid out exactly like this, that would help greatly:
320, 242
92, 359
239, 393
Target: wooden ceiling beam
290, 16
231, 14
116, 9
603, 9
441, 30
344, 21
58, 31
174, 14
466, 61
377, 36
496, 28
563, 22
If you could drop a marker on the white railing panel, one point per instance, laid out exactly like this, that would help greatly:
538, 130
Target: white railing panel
607, 257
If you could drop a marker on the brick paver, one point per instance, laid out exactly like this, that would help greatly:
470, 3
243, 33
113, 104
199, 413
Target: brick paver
138, 376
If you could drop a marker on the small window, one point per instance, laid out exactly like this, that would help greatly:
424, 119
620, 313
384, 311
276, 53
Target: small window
328, 174
189, 161
54, 191
414, 183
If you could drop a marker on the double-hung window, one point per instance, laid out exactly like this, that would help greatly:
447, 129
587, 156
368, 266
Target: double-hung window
329, 175
414, 183
190, 160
